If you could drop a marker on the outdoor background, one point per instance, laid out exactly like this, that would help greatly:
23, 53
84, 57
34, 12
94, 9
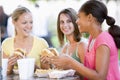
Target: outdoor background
45, 14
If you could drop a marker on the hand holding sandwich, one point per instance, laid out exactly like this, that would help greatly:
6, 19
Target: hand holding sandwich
18, 53
12, 60
45, 57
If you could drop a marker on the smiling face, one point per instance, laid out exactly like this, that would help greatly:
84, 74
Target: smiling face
66, 25
83, 22
23, 25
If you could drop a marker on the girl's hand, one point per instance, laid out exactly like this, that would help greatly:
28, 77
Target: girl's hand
45, 62
45, 59
13, 59
61, 62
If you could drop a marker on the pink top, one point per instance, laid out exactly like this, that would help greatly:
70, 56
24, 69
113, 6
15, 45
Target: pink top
104, 39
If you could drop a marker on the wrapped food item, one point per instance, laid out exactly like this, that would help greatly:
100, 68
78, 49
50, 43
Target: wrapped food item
15, 71
46, 52
61, 73
54, 51
42, 72
49, 52
20, 52
46, 55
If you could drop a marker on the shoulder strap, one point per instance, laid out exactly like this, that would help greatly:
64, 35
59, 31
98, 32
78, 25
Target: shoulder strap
67, 50
76, 52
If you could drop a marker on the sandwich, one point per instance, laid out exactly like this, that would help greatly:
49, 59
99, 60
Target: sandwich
47, 53
42, 71
54, 51
50, 52
20, 52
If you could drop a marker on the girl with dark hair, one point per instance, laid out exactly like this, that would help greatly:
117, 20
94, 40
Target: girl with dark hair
101, 57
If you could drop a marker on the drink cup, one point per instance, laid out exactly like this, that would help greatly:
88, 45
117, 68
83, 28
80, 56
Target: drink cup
4, 67
26, 68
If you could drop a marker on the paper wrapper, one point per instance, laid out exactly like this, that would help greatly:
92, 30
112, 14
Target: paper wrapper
61, 73
42, 72
15, 71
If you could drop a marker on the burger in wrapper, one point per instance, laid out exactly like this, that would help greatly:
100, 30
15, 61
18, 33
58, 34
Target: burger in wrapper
54, 51
42, 72
49, 52
20, 52
46, 55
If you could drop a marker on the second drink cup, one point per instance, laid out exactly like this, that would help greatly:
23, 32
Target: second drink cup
26, 68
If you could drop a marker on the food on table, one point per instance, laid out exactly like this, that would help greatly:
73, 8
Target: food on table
42, 71
61, 73
54, 73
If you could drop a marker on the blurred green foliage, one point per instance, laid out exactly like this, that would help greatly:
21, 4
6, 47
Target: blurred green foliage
33, 1
86, 35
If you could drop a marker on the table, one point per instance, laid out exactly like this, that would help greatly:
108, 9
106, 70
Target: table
0, 73
16, 77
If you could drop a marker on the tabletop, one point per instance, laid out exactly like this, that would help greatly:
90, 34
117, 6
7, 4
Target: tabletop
16, 77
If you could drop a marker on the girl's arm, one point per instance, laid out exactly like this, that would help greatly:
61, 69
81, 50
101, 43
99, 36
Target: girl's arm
102, 62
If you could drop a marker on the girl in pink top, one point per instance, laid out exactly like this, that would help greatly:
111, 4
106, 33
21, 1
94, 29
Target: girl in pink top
90, 60
101, 57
